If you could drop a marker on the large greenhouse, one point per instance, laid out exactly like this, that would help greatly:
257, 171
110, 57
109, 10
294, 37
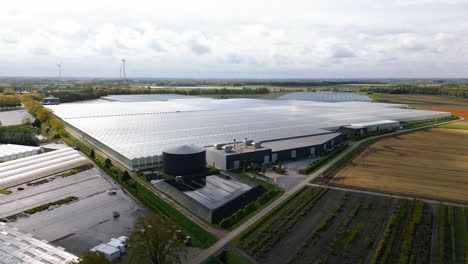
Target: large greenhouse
135, 133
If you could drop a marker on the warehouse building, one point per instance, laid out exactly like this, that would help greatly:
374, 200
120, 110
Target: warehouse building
135, 132
240, 155
12, 151
19, 247
51, 101
369, 127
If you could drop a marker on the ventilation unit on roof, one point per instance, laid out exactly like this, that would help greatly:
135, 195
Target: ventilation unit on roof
228, 149
258, 144
219, 146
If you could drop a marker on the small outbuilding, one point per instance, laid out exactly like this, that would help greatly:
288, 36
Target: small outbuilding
51, 101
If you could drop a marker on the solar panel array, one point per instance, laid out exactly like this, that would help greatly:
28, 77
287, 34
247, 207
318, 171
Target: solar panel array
326, 97
144, 129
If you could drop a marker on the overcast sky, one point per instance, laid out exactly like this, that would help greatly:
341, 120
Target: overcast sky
235, 38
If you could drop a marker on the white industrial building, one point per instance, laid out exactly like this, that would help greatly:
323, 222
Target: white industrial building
12, 151
31, 168
135, 132
19, 247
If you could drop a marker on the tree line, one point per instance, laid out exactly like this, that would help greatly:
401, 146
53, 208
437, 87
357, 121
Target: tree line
9, 101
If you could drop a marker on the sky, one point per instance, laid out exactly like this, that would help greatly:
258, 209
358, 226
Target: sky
235, 39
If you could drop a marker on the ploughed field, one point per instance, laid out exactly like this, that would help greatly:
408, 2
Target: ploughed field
430, 164
320, 225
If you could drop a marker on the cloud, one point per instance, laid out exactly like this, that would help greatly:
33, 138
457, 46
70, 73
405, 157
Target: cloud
342, 52
289, 40
198, 48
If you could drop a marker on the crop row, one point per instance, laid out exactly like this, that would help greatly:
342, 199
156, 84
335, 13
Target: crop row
322, 226
411, 219
272, 229
453, 234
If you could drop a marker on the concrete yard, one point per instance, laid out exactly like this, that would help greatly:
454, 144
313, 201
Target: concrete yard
14, 117
80, 225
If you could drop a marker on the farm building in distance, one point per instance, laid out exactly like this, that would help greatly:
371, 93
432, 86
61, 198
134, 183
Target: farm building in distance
50, 101
135, 129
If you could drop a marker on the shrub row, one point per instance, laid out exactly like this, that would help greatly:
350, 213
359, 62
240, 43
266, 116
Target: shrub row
46, 206
228, 222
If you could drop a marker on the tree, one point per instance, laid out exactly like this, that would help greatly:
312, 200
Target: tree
92, 258
125, 176
107, 163
92, 154
152, 241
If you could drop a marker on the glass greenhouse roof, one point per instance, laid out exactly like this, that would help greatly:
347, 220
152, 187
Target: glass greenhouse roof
326, 97
145, 129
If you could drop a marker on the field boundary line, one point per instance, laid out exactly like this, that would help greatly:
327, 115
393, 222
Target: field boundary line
387, 195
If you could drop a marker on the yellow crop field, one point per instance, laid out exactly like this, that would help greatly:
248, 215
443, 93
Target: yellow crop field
430, 164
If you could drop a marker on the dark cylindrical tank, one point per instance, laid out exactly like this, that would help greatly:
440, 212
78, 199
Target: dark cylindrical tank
184, 160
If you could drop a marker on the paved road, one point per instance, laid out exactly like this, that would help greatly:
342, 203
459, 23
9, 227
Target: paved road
230, 236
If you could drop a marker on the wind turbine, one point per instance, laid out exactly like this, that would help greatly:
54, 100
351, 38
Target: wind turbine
123, 69
59, 65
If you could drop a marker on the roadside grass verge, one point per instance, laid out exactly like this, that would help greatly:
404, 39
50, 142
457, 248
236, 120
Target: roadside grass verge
200, 237
454, 126
428, 123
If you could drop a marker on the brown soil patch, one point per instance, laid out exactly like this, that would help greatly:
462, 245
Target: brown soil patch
460, 113
431, 164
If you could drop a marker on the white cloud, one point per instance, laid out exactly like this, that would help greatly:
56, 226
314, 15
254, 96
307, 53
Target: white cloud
206, 38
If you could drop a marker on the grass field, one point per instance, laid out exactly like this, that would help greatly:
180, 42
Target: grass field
457, 125
429, 164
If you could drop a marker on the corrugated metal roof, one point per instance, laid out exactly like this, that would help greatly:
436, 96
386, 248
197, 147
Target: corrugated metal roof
293, 143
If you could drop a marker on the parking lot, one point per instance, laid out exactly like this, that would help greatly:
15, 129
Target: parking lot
80, 225
14, 117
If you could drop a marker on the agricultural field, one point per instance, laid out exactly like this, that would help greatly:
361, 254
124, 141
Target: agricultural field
430, 164
452, 235
455, 105
320, 225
